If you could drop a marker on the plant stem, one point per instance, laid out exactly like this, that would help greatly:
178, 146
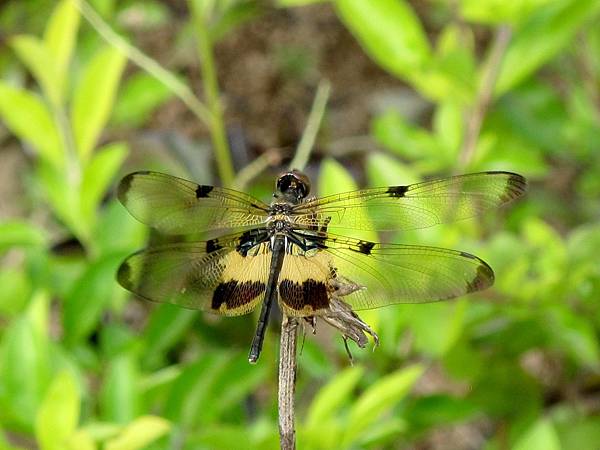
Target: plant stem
211, 93
287, 382
312, 126
484, 94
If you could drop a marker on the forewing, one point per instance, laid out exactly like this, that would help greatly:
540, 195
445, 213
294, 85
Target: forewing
412, 206
211, 275
396, 273
176, 206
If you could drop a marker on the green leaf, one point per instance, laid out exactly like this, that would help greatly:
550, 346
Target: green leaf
333, 179
61, 35
34, 54
119, 397
24, 363
58, 415
499, 11
541, 37
437, 326
192, 388
17, 233
380, 397
97, 177
63, 198
29, 119
140, 96
90, 294
15, 292
392, 131
541, 435
166, 326
139, 433
383, 170
332, 396
81, 440
390, 32
289, 3
93, 98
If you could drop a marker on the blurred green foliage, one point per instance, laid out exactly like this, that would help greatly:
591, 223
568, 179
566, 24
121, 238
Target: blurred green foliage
84, 366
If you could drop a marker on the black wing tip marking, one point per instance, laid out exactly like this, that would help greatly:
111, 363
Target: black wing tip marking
125, 186
484, 275
516, 186
124, 276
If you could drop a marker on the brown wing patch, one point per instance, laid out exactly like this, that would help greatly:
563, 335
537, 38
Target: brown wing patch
305, 284
243, 282
232, 295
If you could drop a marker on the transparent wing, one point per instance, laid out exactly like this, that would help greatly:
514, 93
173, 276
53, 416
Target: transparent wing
176, 206
389, 274
413, 206
211, 275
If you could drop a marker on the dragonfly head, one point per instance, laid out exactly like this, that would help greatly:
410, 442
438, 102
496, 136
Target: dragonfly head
293, 185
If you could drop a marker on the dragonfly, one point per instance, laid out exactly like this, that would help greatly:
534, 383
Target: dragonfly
287, 251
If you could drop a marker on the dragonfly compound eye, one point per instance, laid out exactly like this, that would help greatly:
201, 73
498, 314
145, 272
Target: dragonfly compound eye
294, 183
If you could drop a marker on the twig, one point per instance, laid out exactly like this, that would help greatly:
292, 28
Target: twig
287, 382
181, 90
271, 157
484, 94
211, 93
289, 325
312, 126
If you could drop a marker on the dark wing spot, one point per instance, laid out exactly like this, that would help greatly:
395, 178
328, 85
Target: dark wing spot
309, 293
213, 245
124, 187
234, 294
124, 275
397, 191
203, 190
364, 247
516, 186
483, 279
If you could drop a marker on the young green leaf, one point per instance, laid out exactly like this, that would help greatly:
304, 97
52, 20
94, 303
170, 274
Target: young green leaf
97, 176
29, 119
542, 36
390, 32
381, 396
165, 328
90, 294
541, 435
34, 54
25, 364
334, 179
93, 98
384, 170
18, 233
139, 434
119, 397
61, 35
63, 199
140, 96
58, 415
332, 396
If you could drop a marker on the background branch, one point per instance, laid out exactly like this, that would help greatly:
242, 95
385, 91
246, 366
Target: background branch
484, 94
